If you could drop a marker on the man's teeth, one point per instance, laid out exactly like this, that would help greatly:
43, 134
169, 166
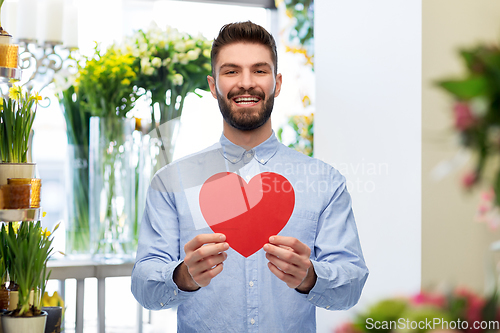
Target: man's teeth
246, 100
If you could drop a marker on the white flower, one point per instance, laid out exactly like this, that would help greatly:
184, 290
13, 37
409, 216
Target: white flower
180, 46
193, 54
166, 62
190, 44
178, 80
148, 70
183, 59
207, 44
145, 62
479, 106
175, 58
156, 62
206, 53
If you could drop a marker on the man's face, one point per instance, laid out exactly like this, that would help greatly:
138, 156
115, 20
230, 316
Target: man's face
245, 85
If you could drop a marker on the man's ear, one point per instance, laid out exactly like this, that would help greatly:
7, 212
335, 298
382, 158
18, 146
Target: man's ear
211, 84
279, 80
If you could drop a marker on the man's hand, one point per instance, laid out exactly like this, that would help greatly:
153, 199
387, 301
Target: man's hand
203, 261
289, 261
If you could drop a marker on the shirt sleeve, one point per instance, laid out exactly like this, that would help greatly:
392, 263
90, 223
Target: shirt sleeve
337, 256
158, 252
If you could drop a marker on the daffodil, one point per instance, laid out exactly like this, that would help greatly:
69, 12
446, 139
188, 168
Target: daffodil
15, 93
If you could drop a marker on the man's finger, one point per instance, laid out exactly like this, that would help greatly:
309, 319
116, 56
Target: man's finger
201, 239
284, 254
208, 251
291, 242
285, 266
207, 264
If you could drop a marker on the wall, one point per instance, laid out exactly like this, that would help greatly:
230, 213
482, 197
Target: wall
455, 248
368, 124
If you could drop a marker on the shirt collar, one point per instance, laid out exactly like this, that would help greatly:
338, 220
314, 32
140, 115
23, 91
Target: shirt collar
262, 153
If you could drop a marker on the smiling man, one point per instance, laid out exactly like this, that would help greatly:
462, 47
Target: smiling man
268, 234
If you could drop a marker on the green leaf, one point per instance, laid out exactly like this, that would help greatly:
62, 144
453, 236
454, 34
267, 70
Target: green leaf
467, 88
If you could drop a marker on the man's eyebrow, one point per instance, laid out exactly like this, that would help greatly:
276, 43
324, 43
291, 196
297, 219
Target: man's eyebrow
262, 64
229, 65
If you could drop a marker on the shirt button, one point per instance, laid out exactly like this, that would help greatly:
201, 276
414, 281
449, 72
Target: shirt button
247, 177
249, 155
234, 160
327, 307
252, 321
250, 283
261, 160
161, 304
175, 292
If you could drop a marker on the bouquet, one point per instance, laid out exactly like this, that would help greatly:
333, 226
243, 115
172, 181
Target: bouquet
170, 64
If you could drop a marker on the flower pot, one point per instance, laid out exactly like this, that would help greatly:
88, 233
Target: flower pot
14, 299
16, 170
4, 298
54, 319
24, 324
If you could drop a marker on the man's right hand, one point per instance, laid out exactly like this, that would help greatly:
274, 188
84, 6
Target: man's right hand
204, 256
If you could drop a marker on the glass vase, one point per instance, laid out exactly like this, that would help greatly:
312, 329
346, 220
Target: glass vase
77, 189
112, 188
156, 151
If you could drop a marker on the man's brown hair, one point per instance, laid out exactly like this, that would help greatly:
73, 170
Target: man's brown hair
244, 32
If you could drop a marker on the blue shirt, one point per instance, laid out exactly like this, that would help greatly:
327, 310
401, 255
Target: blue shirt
246, 296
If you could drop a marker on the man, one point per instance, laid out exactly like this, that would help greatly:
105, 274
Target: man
248, 235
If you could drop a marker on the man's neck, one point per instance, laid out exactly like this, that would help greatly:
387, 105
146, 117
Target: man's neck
248, 139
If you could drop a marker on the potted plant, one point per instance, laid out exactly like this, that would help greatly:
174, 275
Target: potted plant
17, 113
27, 251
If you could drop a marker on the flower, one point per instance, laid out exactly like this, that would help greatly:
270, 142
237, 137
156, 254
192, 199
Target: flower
15, 93
178, 79
168, 60
475, 112
469, 179
106, 80
464, 118
17, 113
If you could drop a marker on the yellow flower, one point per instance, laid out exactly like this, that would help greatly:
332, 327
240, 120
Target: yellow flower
37, 97
126, 82
15, 92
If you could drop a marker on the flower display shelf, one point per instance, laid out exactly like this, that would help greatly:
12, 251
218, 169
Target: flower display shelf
30, 214
7, 73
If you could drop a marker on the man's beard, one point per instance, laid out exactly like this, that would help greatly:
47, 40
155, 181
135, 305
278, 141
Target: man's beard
242, 119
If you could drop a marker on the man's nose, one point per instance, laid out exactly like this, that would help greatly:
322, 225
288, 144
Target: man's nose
247, 81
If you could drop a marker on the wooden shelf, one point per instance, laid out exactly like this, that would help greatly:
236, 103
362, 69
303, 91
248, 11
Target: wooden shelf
13, 215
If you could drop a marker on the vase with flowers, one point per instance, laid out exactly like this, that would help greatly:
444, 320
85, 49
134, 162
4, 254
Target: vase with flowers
77, 120
170, 65
105, 79
26, 247
475, 102
17, 113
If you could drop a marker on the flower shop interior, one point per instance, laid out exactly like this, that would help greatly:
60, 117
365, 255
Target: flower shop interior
400, 91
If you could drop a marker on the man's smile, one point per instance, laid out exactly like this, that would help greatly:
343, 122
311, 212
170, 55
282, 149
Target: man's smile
246, 101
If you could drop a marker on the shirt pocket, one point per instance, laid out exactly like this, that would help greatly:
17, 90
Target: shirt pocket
302, 225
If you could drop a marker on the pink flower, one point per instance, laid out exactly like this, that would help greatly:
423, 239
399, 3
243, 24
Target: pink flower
469, 179
425, 298
474, 305
346, 328
464, 118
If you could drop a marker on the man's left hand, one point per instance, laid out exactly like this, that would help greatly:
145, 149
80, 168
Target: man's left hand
289, 261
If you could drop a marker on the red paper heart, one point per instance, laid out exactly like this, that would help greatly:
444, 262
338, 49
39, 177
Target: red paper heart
248, 214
